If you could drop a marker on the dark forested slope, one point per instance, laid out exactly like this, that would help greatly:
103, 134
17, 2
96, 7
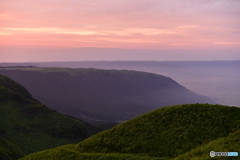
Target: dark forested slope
32, 126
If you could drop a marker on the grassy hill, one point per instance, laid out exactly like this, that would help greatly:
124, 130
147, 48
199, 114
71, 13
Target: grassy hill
231, 143
9, 151
32, 126
104, 95
180, 132
69, 153
168, 131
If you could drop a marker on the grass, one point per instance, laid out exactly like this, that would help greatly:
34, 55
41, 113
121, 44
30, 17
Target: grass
68, 153
231, 143
166, 132
182, 132
34, 127
9, 151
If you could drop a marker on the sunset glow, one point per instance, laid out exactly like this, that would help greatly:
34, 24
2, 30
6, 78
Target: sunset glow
132, 24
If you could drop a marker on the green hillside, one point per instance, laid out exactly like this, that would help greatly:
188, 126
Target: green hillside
32, 126
9, 151
69, 153
102, 95
231, 143
165, 133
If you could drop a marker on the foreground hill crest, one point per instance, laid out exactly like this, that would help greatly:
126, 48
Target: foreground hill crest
180, 132
167, 132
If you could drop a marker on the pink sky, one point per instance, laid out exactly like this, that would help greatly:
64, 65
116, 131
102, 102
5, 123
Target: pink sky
204, 29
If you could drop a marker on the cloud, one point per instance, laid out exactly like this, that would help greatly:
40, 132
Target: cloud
187, 27
114, 23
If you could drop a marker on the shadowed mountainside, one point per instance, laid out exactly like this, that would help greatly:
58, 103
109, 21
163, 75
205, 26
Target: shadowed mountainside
32, 126
110, 95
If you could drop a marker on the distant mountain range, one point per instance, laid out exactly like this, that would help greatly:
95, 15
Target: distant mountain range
216, 79
102, 95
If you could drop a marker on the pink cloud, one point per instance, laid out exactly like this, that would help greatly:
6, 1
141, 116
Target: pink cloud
150, 24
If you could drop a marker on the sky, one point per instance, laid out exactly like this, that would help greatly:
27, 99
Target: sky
75, 30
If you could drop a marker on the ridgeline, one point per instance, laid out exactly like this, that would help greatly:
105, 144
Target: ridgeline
102, 95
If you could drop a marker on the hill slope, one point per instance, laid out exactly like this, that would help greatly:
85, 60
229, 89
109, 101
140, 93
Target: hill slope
9, 151
164, 133
69, 153
112, 95
32, 126
231, 143
167, 132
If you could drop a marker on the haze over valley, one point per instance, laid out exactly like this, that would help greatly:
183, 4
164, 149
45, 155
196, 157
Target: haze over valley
218, 80
113, 95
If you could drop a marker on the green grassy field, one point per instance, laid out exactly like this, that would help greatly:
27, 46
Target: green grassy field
231, 143
69, 153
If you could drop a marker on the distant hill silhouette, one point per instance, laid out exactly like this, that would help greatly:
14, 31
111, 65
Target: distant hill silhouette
216, 79
105, 95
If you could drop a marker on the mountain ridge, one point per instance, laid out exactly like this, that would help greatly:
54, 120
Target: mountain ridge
112, 95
